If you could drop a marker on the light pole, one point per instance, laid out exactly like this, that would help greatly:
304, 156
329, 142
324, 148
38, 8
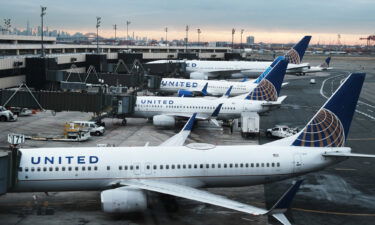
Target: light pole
242, 30
127, 30
186, 38
166, 36
43, 12
98, 21
199, 33
233, 31
7, 25
115, 28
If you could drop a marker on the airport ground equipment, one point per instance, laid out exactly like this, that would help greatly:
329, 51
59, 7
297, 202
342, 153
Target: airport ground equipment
281, 131
249, 124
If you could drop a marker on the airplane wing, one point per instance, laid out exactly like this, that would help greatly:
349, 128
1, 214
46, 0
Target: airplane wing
199, 116
276, 103
180, 138
206, 197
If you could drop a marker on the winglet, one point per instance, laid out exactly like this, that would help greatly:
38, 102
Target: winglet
180, 138
326, 62
227, 94
244, 79
286, 199
204, 89
189, 124
217, 110
296, 54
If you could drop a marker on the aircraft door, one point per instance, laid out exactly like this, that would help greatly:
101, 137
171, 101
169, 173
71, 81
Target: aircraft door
297, 163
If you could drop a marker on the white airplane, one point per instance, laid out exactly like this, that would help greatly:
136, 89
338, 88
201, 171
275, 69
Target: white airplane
190, 87
166, 110
125, 174
320, 68
204, 69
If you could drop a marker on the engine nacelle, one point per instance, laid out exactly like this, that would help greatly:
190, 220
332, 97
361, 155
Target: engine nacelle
124, 200
164, 121
198, 76
185, 93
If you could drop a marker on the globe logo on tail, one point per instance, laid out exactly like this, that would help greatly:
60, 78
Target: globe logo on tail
265, 91
325, 130
293, 56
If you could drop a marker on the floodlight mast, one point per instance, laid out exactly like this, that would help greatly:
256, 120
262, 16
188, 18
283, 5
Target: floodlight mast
98, 21
42, 14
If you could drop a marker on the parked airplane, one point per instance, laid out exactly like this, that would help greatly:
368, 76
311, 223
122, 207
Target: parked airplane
203, 70
125, 174
166, 110
190, 87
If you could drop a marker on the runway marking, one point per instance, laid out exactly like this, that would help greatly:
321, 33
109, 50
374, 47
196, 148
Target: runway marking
334, 213
345, 169
361, 139
360, 112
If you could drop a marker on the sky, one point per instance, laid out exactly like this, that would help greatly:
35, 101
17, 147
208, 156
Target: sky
270, 21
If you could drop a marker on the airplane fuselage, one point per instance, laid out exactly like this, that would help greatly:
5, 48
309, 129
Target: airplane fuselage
149, 106
194, 165
214, 87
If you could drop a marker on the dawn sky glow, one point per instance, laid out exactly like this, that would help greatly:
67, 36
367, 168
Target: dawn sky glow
269, 21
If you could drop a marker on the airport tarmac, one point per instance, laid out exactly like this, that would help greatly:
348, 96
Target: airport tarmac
342, 194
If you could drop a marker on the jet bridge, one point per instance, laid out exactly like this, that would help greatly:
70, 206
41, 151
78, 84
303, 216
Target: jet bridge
9, 162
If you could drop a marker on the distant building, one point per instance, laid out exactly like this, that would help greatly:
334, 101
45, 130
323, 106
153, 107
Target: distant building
250, 40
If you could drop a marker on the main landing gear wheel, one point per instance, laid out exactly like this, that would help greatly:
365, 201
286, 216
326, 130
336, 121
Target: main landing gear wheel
123, 122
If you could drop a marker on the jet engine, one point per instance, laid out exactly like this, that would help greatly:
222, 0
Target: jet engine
184, 93
164, 121
123, 200
198, 76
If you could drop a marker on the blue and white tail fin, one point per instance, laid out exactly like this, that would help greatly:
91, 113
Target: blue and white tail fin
260, 78
330, 125
269, 88
297, 52
326, 62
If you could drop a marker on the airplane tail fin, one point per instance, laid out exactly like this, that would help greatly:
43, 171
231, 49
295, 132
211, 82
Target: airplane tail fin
204, 89
326, 62
269, 88
297, 52
260, 78
330, 125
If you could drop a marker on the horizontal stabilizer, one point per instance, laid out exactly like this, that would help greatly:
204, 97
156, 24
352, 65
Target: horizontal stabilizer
347, 154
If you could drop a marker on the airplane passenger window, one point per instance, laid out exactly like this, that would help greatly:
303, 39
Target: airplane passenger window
38, 169
95, 168
268, 165
32, 169
195, 166
44, 169
167, 167
178, 166
231, 165
56, 168
161, 167
219, 165
148, 167
62, 169
125, 167
130, 167
201, 166
120, 167
225, 165
155, 167
278, 164
172, 166
26, 169
207, 166
262, 164
70, 168
83, 168
108, 167
257, 165
273, 164
184, 166
189, 166
76, 168
19, 169
50, 169
252, 164
241, 165
89, 168
213, 166
236, 165
247, 164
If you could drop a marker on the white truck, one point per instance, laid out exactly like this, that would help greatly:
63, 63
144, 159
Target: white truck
281, 131
6, 115
249, 124
92, 127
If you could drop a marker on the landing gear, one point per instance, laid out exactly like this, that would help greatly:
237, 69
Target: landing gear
123, 122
